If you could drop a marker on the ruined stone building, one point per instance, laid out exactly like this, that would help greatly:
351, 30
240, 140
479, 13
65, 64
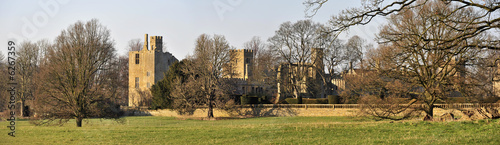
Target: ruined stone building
147, 67
240, 64
311, 83
339, 81
240, 71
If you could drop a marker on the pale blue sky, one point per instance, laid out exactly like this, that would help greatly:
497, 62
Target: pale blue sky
179, 22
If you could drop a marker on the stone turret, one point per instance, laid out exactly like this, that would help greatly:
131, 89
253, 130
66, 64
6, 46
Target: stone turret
146, 67
145, 46
241, 63
156, 43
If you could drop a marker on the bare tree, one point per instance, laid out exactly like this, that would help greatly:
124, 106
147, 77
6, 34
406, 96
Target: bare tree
135, 45
354, 49
27, 66
429, 68
256, 44
164, 46
121, 67
3, 82
264, 63
485, 18
293, 44
203, 85
77, 81
335, 56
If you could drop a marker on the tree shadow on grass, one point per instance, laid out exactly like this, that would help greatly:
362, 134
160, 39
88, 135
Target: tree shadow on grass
137, 112
259, 110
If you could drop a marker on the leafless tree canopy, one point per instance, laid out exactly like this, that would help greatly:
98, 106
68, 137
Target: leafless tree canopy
122, 79
77, 78
485, 17
4, 95
27, 67
135, 45
293, 43
203, 85
413, 55
264, 62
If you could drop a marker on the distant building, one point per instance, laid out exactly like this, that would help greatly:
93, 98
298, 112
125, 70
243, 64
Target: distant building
311, 84
147, 67
240, 64
240, 70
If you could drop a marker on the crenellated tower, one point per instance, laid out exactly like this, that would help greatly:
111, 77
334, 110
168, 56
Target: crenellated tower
240, 65
146, 67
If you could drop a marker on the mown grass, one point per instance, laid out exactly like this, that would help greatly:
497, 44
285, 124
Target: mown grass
267, 130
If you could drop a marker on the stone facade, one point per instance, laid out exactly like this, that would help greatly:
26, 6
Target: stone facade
147, 67
239, 69
313, 74
240, 66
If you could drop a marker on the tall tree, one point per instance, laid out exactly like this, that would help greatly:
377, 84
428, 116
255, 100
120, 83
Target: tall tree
416, 56
162, 90
135, 45
76, 78
293, 43
4, 95
264, 63
204, 84
27, 66
30, 56
122, 81
354, 49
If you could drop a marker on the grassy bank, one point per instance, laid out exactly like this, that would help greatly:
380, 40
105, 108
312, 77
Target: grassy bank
269, 130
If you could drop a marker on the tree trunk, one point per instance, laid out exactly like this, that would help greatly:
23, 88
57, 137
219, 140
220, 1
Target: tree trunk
210, 108
429, 112
297, 94
79, 121
22, 108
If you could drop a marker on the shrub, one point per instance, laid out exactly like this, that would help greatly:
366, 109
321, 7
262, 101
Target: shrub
264, 100
333, 99
249, 100
315, 101
291, 101
307, 101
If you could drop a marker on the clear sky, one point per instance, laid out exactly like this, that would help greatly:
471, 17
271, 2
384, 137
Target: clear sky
180, 22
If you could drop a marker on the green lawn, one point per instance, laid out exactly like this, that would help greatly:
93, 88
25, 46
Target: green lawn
268, 130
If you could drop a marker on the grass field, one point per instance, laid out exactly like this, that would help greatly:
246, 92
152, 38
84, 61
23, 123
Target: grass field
268, 130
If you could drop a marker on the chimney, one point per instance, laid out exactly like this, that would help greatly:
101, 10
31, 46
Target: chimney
145, 42
350, 66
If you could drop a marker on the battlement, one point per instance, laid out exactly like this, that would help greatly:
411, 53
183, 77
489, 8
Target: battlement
154, 44
156, 37
242, 50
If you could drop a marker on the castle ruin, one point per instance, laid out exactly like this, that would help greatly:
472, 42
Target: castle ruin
147, 67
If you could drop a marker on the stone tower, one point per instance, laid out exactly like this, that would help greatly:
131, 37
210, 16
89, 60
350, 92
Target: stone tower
317, 61
156, 43
240, 64
146, 67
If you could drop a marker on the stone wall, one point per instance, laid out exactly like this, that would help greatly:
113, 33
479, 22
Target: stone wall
283, 110
264, 112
